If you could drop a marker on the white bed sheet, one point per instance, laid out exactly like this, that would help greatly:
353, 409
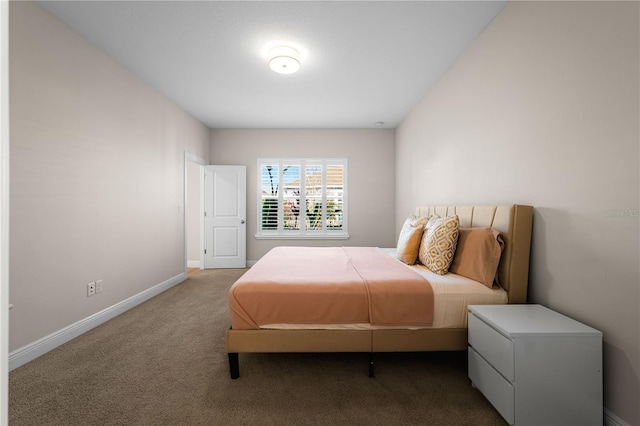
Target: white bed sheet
452, 294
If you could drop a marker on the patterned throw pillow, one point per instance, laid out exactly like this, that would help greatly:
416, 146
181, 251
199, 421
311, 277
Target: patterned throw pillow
422, 251
438, 243
409, 239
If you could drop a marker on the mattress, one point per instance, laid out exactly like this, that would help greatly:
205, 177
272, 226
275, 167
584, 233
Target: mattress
452, 294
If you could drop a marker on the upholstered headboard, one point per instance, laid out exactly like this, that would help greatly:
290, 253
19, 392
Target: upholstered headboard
514, 222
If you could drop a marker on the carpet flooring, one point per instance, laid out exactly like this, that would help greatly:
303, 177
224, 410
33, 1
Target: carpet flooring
164, 363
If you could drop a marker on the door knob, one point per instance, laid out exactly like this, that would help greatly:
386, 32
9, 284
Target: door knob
242, 221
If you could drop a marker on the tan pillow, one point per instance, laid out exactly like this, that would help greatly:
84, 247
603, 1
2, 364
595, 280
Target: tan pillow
478, 254
438, 244
409, 239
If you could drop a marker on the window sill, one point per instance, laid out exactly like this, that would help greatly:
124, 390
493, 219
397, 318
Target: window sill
340, 236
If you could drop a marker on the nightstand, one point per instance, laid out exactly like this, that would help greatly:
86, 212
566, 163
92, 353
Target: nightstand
536, 366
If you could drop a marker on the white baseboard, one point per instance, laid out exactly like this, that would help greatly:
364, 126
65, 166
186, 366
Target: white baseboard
611, 419
196, 263
42, 346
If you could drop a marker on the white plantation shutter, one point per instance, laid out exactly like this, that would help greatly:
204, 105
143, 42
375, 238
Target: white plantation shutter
270, 184
302, 198
335, 195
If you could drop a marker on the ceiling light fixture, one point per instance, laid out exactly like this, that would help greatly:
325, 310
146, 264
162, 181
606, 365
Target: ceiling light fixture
284, 60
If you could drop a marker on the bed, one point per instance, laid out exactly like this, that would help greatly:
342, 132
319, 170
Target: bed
303, 332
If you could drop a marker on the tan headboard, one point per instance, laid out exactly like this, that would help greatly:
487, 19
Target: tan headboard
514, 223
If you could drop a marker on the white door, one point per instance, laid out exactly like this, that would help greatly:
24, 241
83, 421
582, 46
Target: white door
225, 203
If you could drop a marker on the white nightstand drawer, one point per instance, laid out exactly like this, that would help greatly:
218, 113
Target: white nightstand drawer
493, 346
492, 385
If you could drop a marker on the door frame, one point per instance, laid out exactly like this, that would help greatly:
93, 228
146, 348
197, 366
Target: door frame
4, 212
188, 157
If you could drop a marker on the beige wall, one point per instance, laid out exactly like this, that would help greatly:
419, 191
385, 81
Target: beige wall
97, 170
371, 174
543, 109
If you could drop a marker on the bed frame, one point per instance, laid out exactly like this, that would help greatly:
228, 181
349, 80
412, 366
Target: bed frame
514, 223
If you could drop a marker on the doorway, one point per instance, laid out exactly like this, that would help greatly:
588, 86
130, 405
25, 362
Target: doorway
193, 205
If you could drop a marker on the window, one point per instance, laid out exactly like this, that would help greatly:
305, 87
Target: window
302, 198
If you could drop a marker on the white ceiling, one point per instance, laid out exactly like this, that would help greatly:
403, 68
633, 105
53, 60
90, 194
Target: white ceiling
362, 61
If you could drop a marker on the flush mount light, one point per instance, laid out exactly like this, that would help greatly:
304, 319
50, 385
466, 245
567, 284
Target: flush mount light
284, 60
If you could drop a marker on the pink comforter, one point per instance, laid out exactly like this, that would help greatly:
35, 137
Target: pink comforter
330, 285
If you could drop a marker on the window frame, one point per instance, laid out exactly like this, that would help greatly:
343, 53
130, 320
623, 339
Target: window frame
302, 233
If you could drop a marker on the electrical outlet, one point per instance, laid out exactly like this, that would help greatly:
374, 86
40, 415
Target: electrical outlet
91, 289
98, 286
